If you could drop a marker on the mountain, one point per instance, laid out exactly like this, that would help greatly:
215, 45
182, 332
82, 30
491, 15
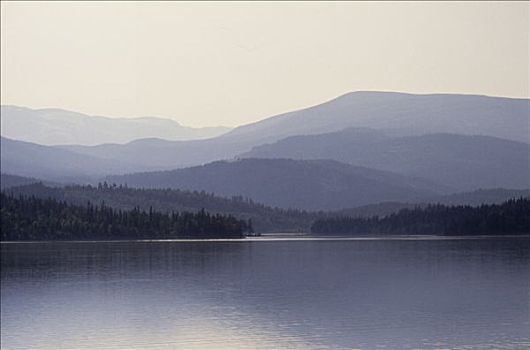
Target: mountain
393, 113
309, 185
462, 162
56, 164
61, 127
410, 114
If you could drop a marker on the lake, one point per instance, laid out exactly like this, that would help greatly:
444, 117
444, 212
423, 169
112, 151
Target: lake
267, 294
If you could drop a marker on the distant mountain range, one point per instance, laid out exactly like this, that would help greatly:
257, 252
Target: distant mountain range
52, 126
397, 147
55, 164
456, 162
461, 162
409, 114
394, 113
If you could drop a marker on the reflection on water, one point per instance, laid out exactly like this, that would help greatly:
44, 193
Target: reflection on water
261, 294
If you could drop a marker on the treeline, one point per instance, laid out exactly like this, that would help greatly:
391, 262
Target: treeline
510, 217
32, 218
264, 218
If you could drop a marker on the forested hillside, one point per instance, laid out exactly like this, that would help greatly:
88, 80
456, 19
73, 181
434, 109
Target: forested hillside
264, 218
7, 180
31, 218
511, 217
473, 198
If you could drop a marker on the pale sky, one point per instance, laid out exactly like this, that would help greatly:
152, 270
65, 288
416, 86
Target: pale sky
232, 63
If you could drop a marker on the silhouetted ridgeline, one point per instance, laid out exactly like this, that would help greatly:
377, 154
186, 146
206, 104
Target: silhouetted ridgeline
510, 217
31, 218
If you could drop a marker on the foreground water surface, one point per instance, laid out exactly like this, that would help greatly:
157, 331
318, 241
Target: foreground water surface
267, 294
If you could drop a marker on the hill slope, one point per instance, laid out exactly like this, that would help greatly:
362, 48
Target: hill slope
474, 198
310, 185
459, 161
51, 163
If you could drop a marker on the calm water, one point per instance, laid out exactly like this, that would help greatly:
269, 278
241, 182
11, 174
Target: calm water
301, 294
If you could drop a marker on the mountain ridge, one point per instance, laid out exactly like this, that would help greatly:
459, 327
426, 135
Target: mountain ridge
58, 126
397, 113
284, 183
358, 104
465, 162
389, 114
56, 164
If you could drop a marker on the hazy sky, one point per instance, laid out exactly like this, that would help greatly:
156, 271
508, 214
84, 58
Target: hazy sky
233, 63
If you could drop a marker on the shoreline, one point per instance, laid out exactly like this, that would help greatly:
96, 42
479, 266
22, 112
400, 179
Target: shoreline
276, 237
